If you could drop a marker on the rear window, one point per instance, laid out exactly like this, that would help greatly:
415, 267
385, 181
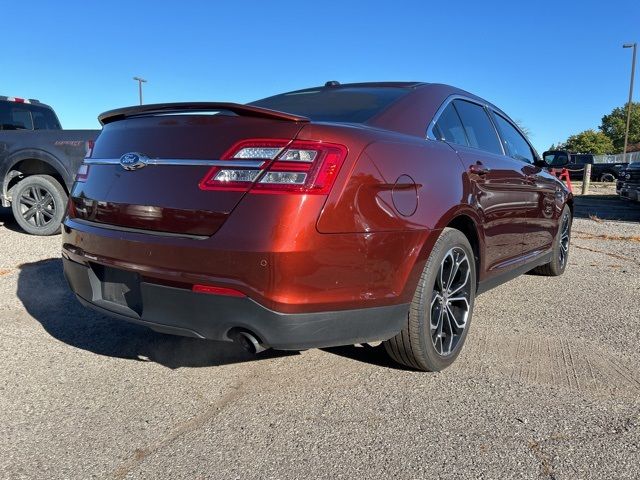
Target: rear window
25, 116
331, 104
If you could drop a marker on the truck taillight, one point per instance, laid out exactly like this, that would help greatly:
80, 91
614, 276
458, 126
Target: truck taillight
18, 100
308, 167
89, 148
83, 173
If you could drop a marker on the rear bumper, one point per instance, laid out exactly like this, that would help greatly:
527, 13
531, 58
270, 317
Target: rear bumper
285, 266
180, 311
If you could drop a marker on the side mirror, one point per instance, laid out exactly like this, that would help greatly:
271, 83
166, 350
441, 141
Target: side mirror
555, 159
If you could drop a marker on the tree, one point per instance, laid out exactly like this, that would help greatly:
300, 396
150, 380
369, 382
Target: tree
558, 146
526, 130
614, 124
589, 141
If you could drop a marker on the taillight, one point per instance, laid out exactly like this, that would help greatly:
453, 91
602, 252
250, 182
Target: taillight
89, 144
83, 173
309, 167
71, 209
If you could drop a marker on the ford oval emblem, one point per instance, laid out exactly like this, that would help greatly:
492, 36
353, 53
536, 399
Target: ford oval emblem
133, 161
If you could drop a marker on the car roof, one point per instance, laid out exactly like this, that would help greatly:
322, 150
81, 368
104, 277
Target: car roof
411, 113
333, 84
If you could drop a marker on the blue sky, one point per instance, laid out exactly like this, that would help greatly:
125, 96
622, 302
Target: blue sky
555, 66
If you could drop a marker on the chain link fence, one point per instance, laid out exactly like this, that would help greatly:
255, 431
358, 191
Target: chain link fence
619, 158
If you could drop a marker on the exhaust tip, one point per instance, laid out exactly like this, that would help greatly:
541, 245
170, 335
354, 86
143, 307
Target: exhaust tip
249, 342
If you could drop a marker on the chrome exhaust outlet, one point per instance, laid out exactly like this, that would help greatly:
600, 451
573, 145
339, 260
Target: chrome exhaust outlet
250, 343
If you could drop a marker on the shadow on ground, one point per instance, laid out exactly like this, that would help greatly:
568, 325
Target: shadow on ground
45, 294
7, 221
366, 354
606, 207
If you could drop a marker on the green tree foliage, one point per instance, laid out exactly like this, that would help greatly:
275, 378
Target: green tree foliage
614, 124
588, 141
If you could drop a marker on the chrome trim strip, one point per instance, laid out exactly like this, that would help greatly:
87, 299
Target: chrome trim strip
183, 162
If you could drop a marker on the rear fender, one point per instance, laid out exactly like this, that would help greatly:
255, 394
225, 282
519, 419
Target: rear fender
11, 173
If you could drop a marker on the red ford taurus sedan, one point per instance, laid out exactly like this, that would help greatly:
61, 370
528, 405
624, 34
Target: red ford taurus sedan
327, 216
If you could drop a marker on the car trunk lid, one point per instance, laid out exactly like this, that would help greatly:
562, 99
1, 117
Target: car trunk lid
148, 163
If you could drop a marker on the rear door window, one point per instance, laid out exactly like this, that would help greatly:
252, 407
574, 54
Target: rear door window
449, 127
515, 144
478, 127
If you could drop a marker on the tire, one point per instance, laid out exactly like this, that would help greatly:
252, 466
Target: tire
560, 250
607, 177
419, 345
38, 204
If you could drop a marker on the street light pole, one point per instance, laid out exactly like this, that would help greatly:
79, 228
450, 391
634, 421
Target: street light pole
633, 72
140, 82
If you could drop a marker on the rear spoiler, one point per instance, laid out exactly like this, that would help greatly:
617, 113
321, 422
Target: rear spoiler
166, 108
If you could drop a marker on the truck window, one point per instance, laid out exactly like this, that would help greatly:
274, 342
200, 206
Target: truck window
44, 118
15, 117
23, 116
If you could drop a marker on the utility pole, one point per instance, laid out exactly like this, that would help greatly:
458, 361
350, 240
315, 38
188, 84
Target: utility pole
140, 82
633, 72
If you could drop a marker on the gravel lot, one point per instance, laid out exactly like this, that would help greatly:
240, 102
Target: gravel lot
548, 386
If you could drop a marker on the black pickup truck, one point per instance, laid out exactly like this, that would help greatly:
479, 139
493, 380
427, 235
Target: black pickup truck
575, 162
628, 184
38, 163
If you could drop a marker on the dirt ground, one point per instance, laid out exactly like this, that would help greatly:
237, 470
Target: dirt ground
547, 386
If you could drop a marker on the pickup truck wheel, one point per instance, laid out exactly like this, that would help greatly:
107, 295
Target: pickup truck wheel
440, 312
607, 177
38, 204
560, 252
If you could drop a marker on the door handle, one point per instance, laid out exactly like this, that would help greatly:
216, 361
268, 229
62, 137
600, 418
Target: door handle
479, 169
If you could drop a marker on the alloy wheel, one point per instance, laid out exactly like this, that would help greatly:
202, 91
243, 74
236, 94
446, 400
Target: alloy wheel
450, 301
37, 206
564, 240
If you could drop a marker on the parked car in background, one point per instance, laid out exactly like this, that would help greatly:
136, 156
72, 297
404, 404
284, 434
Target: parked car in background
328, 216
38, 162
628, 184
575, 162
